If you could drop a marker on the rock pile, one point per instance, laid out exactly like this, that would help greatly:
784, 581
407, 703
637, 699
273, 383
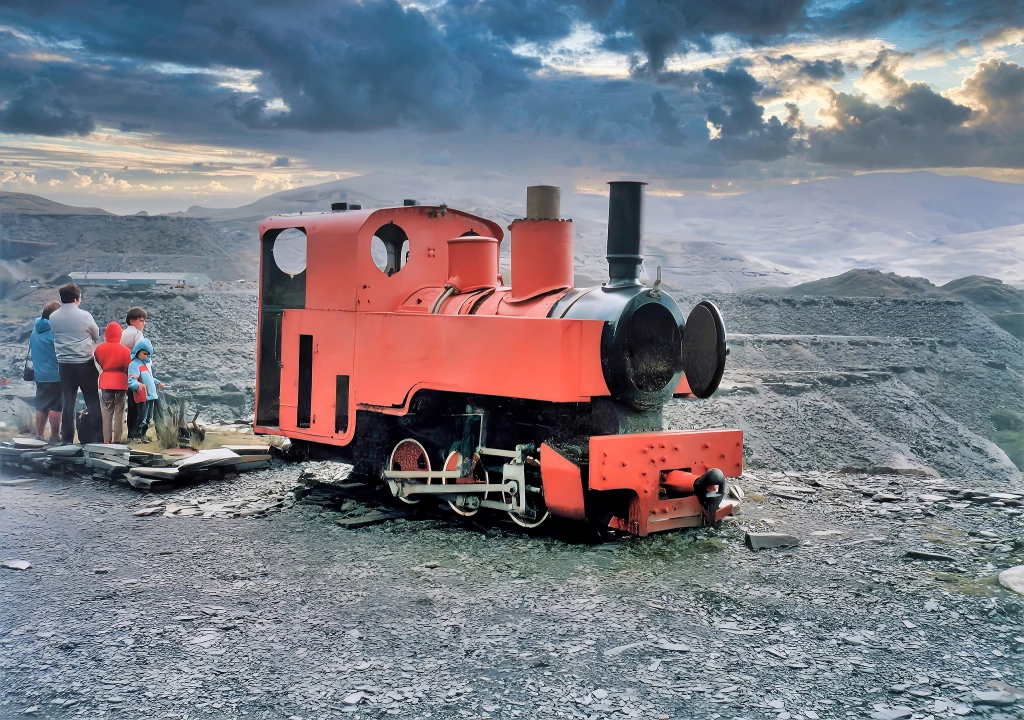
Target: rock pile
140, 469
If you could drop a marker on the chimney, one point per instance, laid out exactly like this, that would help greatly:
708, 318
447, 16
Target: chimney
543, 202
625, 204
542, 244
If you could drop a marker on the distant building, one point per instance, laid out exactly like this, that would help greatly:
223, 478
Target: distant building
138, 279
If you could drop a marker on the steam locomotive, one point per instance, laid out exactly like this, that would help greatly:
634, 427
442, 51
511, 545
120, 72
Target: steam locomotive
400, 347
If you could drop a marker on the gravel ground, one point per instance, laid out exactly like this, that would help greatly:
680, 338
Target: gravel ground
288, 615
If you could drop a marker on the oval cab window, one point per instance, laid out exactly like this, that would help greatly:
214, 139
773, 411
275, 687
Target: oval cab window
389, 248
290, 251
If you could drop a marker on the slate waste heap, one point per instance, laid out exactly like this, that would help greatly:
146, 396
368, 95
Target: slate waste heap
140, 469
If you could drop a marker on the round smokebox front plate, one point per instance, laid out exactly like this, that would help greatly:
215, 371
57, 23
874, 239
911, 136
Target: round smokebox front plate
703, 349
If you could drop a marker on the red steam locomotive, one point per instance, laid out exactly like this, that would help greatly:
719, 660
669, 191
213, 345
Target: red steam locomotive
399, 345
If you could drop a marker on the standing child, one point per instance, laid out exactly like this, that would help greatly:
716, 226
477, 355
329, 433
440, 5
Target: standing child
113, 359
136, 324
144, 386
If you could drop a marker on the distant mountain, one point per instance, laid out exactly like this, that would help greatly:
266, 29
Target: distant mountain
862, 282
916, 224
1003, 303
913, 224
25, 204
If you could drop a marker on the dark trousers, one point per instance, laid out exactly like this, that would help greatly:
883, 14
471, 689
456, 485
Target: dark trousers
145, 412
84, 377
133, 414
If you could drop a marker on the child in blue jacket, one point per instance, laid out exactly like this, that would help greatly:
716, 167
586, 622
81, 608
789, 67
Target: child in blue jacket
144, 386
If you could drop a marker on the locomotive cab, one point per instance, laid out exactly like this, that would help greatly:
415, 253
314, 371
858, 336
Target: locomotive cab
389, 337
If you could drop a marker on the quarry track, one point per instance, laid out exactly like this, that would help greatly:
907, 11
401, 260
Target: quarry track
289, 615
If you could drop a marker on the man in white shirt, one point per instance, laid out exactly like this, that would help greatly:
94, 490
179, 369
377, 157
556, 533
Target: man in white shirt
74, 338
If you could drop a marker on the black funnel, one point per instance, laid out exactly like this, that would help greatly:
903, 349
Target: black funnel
625, 204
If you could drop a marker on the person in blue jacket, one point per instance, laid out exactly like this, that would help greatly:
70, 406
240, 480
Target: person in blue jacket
144, 387
48, 402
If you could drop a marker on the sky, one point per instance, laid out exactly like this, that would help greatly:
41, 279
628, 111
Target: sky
159, 105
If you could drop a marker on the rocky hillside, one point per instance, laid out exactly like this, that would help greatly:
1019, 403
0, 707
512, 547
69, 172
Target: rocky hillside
930, 384
51, 245
1001, 302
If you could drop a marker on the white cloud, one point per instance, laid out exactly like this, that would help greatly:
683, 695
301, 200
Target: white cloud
273, 182
17, 179
211, 187
54, 182
79, 181
110, 182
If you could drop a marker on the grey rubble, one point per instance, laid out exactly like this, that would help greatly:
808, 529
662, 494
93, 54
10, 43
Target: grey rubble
289, 615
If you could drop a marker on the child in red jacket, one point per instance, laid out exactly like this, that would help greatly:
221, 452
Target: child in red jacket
113, 359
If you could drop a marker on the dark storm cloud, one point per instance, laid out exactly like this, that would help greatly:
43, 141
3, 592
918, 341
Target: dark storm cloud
129, 126
814, 70
661, 28
37, 108
508, 20
822, 70
346, 65
665, 121
338, 66
658, 29
732, 108
868, 16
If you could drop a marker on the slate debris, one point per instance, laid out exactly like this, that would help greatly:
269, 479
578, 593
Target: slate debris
298, 618
140, 469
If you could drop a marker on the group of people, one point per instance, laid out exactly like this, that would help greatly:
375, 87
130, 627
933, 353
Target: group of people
113, 375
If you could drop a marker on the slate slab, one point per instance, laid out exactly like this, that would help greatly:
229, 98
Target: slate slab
29, 443
925, 555
248, 449
65, 451
765, 541
105, 448
1013, 579
15, 564
17, 482
206, 458
994, 697
371, 518
108, 465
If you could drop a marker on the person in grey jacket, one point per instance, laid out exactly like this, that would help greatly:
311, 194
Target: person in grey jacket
74, 338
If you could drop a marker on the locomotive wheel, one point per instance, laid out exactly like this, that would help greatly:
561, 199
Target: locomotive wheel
525, 522
453, 462
410, 455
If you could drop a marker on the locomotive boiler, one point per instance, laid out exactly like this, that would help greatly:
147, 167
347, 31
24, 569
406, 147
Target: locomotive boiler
401, 348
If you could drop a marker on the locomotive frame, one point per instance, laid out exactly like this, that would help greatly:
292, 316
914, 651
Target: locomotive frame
533, 398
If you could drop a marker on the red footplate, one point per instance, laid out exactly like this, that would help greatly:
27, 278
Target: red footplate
640, 463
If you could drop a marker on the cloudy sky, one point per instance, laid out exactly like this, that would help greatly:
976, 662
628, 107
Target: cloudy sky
162, 104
